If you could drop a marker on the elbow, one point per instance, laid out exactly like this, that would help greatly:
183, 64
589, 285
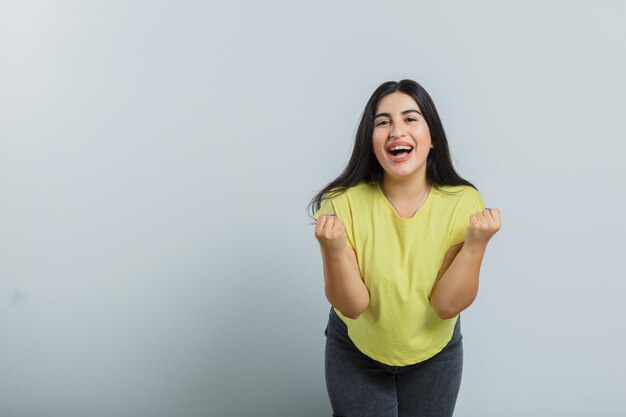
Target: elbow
351, 308
446, 314
447, 308
355, 311
445, 311
352, 314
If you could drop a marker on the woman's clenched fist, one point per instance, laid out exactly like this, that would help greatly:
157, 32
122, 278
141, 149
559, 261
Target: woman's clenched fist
331, 234
482, 226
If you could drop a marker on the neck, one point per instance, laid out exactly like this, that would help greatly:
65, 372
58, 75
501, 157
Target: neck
404, 189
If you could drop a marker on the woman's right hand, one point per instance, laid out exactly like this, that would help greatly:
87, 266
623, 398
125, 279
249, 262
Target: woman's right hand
331, 234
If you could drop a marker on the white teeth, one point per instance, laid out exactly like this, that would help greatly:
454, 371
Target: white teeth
401, 148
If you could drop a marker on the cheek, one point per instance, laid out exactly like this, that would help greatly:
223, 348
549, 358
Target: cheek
422, 133
377, 142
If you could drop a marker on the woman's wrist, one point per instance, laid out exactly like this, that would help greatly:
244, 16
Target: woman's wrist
475, 247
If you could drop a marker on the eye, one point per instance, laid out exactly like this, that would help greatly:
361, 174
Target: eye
411, 119
382, 123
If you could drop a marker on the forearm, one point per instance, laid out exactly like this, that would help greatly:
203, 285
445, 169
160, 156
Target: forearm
458, 287
343, 285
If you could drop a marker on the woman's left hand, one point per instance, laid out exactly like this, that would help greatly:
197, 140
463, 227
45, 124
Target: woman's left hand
482, 226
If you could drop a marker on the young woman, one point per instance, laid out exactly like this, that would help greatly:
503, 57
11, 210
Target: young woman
402, 237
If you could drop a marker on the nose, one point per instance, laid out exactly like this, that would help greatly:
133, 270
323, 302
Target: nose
396, 132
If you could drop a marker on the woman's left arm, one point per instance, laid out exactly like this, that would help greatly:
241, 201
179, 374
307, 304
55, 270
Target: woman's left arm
457, 281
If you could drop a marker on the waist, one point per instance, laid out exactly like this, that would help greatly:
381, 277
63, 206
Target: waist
338, 329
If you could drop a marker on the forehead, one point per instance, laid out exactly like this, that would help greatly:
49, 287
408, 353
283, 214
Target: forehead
396, 102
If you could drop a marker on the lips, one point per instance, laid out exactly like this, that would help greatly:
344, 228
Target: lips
399, 151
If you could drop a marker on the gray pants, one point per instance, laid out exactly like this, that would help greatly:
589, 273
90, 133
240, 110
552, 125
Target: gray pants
359, 386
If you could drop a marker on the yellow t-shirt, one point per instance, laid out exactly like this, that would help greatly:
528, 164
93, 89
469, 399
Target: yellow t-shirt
399, 259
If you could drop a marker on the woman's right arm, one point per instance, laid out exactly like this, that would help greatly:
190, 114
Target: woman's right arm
343, 285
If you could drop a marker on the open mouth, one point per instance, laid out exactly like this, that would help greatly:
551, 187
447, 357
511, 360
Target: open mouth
400, 151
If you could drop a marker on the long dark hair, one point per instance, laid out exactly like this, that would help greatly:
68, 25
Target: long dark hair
363, 165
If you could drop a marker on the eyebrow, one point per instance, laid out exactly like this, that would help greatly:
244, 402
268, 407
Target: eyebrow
404, 112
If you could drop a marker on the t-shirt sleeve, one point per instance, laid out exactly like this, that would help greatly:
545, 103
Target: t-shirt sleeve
339, 206
327, 207
470, 202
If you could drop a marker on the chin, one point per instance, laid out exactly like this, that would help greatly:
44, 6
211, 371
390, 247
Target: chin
404, 172
401, 174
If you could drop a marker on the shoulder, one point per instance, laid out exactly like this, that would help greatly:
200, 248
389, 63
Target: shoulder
345, 202
348, 201
356, 193
457, 192
459, 196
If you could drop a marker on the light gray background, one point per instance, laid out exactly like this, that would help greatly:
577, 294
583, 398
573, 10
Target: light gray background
155, 163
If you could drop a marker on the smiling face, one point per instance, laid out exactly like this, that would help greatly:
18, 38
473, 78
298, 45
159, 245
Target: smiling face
401, 138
